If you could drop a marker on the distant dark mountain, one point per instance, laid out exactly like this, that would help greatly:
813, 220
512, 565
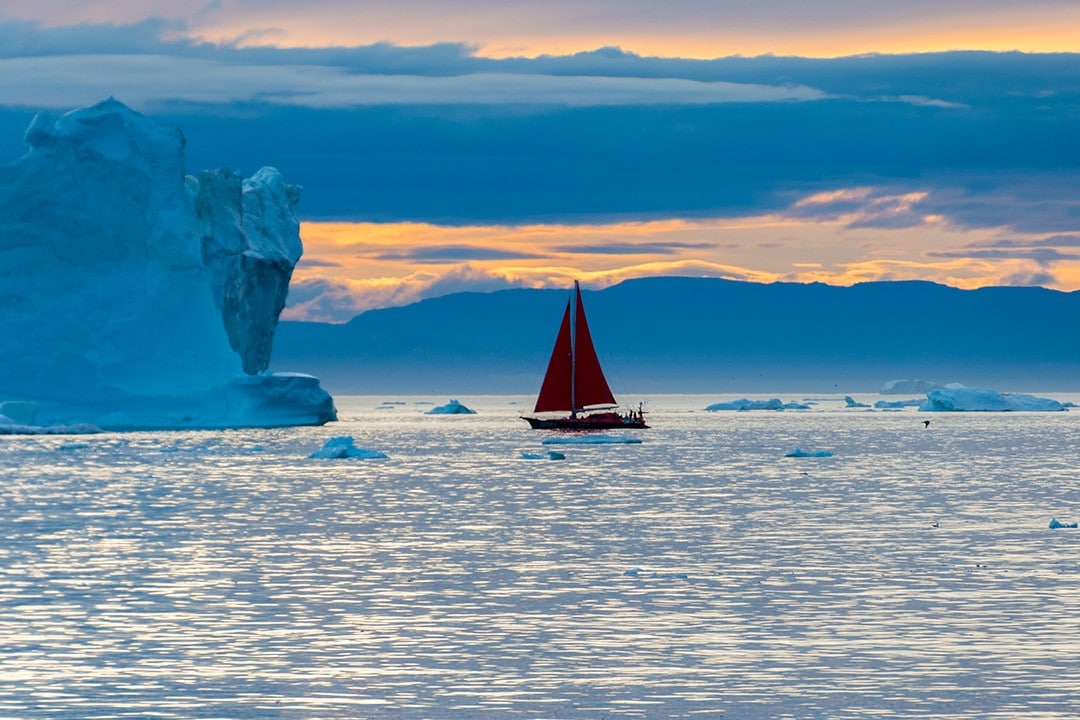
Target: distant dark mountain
705, 335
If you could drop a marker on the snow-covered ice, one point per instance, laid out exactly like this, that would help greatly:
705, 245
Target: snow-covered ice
140, 295
591, 439
451, 408
344, 447
957, 398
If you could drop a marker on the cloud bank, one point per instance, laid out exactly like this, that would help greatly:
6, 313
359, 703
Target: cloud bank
447, 168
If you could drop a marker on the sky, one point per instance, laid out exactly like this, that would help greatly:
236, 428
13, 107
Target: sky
480, 145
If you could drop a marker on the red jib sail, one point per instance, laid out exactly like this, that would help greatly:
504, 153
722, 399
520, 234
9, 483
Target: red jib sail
574, 379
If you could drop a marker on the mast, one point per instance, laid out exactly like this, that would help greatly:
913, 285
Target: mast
573, 350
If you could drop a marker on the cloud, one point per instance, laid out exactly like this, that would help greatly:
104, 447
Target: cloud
864, 207
454, 253
622, 248
150, 81
693, 27
336, 300
1052, 241
1043, 256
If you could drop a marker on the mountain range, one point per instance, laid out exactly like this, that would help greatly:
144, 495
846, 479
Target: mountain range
680, 334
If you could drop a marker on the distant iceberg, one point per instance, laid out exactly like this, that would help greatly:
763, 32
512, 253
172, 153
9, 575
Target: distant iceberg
1056, 524
591, 439
343, 447
896, 404
908, 387
797, 453
957, 398
744, 404
451, 408
850, 401
10, 428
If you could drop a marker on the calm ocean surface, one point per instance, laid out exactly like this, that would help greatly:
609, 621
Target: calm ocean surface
699, 574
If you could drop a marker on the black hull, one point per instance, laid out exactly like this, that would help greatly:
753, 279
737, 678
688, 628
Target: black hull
608, 422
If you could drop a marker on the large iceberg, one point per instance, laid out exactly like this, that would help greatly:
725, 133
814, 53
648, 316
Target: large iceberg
957, 398
135, 295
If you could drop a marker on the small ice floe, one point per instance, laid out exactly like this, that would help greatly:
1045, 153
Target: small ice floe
850, 402
797, 453
1056, 524
745, 404
341, 447
596, 439
451, 408
551, 455
638, 572
897, 404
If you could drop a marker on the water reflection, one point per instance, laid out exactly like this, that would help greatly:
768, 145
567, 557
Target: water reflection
698, 574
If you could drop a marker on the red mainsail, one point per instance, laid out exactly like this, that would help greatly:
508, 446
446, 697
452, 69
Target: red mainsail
574, 379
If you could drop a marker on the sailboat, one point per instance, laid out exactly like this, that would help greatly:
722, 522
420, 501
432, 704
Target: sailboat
574, 382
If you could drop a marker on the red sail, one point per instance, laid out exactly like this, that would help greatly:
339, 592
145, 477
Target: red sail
576, 360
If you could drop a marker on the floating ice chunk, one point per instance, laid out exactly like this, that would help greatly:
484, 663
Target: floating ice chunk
744, 404
797, 453
850, 401
342, 447
451, 408
1056, 524
897, 404
551, 455
908, 387
964, 399
591, 439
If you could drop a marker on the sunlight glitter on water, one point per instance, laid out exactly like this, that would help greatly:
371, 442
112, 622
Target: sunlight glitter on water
700, 573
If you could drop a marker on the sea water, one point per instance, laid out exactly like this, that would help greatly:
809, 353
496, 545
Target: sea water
700, 573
